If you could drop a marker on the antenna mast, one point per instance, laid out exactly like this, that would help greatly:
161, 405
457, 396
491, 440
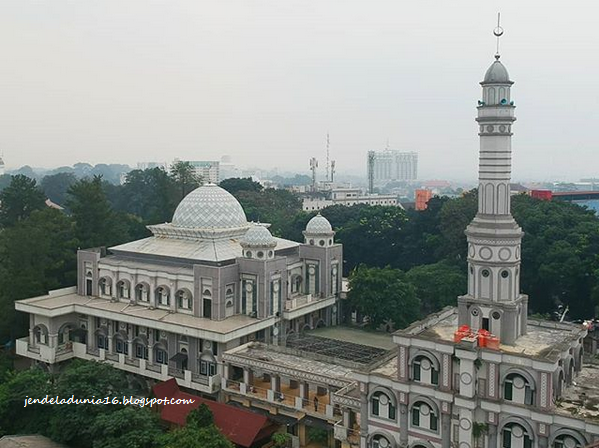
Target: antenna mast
328, 163
313, 166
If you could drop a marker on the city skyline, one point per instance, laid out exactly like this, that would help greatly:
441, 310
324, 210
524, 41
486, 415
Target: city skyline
265, 83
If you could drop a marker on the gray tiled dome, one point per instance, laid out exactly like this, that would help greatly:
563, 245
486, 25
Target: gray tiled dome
497, 73
209, 206
318, 225
258, 235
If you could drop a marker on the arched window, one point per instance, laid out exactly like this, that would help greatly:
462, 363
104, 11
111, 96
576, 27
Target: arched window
160, 355
515, 435
518, 389
382, 405
380, 441
105, 284
120, 344
40, 333
424, 416
184, 299
163, 296
296, 284
122, 289
141, 292
424, 370
140, 347
568, 441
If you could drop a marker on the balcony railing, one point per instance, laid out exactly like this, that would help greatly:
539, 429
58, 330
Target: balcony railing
177, 373
321, 407
94, 351
200, 379
350, 435
33, 348
132, 362
157, 368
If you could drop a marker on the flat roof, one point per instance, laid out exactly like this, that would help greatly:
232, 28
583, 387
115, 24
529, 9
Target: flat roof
68, 301
280, 357
581, 398
544, 340
375, 339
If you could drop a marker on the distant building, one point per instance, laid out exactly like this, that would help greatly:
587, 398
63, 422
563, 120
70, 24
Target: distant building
227, 168
1, 166
543, 195
390, 165
208, 169
151, 165
348, 196
422, 198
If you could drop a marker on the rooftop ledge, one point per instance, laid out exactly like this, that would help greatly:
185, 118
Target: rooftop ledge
544, 341
67, 301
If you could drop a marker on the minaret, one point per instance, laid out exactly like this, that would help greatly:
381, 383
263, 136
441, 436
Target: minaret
494, 301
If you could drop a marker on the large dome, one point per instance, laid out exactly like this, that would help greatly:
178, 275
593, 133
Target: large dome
497, 73
209, 207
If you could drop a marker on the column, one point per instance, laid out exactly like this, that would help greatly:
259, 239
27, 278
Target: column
31, 337
363, 414
248, 376
492, 431
275, 384
445, 430
403, 424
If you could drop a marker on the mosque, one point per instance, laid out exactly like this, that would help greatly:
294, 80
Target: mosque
214, 302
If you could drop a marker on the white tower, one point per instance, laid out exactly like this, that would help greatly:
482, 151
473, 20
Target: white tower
494, 301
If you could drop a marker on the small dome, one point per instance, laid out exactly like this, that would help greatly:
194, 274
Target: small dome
258, 235
318, 225
209, 206
497, 73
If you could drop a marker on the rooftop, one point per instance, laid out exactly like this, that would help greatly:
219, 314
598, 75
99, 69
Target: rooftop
545, 340
68, 301
581, 398
211, 250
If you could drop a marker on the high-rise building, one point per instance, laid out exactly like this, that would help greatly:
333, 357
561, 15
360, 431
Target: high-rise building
390, 165
208, 169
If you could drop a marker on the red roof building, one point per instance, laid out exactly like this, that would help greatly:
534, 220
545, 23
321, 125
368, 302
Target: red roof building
241, 427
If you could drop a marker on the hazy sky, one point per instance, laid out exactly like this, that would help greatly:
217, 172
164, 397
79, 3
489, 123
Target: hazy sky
264, 80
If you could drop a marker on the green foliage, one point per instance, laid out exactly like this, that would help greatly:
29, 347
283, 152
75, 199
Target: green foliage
200, 417
185, 178
281, 440
19, 200
84, 379
437, 285
151, 194
270, 206
96, 223
126, 428
16, 387
57, 185
479, 429
383, 294
36, 255
234, 185
455, 215
190, 437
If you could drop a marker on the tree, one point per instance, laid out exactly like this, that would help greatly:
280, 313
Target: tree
383, 295
86, 379
36, 255
375, 238
150, 194
437, 285
199, 432
200, 417
5, 181
96, 224
270, 206
55, 186
127, 427
455, 216
15, 418
19, 199
281, 440
185, 177
234, 185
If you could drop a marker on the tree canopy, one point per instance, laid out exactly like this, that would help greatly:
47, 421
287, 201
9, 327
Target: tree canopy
19, 199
